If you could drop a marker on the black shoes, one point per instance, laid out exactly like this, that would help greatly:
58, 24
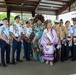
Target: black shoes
28, 59
13, 63
8, 63
19, 60
3, 65
24, 57
73, 60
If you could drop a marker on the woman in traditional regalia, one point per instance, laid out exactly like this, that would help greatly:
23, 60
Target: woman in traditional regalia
38, 30
49, 38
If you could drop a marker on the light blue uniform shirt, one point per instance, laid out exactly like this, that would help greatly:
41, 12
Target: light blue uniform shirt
16, 29
70, 31
4, 31
74, 30
27, 31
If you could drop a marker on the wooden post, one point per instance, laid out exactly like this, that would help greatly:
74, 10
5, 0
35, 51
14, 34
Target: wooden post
33, 14
8, 16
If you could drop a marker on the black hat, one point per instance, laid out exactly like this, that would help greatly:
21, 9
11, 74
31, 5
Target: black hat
27, 22
17, 17
61, 20
5, 19
74, 19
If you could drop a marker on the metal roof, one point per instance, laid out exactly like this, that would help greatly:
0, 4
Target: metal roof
53, 7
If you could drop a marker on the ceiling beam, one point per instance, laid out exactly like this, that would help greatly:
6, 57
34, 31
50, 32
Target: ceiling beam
22, 1
32, 4
20, 8
43, 9
2, 6
65, 7
1, 2
60, 1
51, 3
48, 8
5, 4
37, 6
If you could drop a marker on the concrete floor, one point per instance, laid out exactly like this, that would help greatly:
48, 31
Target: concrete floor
37, 68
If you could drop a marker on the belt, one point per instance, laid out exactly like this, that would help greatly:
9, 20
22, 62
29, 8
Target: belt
74, 36
68, 38
16, 37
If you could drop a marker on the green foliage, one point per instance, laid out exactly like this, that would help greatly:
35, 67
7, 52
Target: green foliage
3, 15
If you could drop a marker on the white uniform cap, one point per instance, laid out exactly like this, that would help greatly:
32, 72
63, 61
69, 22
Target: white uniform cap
31, 18
56, 22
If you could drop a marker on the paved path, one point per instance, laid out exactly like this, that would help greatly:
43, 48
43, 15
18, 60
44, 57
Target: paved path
36, 68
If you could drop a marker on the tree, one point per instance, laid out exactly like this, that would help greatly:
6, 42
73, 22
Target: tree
3, 15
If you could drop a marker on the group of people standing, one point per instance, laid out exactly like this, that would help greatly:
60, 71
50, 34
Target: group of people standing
45, 42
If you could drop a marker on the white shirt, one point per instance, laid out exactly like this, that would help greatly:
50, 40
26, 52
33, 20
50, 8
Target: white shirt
16, 29
74, 30
5, 32
70, 31
27, 31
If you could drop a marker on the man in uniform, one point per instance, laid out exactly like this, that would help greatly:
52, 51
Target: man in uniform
26, 41
16, 33
57, 46
69, 36
4, 39
74, 39
62, 39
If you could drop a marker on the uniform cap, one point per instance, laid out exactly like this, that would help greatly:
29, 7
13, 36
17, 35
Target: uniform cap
5, 19
27, 22
17, 17
31, 19
56, 22
74, 19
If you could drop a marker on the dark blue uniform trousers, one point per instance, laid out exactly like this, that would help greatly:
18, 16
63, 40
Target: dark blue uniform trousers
63, 52
74, 52
16, 47
5, 47
27, 48
67, 50
56, 54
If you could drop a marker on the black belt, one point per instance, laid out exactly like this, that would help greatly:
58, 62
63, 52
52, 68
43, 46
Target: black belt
16, 37
63, 38
74, 36
68, 37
